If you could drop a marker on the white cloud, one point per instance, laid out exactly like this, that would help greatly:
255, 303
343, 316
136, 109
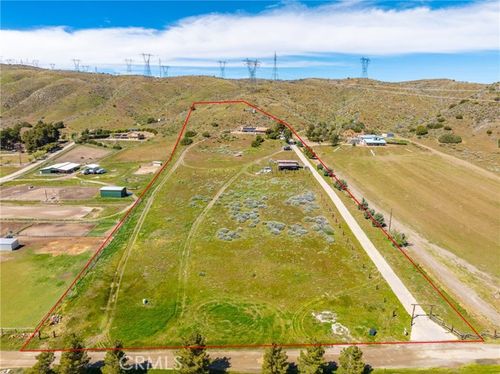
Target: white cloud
351, 28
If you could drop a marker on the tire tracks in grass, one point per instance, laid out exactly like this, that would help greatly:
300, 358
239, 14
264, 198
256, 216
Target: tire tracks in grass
122, 265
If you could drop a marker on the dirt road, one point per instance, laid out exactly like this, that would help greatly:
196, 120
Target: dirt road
423, 329
250, 360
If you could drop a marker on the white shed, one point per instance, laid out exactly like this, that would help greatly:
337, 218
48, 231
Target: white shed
8, 244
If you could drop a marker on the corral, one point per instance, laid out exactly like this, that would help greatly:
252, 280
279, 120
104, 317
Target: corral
37, 193
45, 211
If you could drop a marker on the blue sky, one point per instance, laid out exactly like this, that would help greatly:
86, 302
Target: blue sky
404, 40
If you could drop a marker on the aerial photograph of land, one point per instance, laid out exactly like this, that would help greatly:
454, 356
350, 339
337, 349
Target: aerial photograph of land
249, 187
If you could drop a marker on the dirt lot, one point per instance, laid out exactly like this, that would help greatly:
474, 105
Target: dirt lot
44, 211
15, 227
147, 169
58, 229
84, 154
60, 245
25, 193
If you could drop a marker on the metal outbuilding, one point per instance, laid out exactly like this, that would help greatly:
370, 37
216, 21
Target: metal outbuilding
8, 244
113, 191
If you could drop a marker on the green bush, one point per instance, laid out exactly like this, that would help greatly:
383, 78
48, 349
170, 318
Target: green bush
489, 132
258, 141
396, 141
421, 130
441, 119
340, 185
186, 141
308, 153
459, 116
319, 167
450, 139
191, 133
434, 125
206, 134
447, 128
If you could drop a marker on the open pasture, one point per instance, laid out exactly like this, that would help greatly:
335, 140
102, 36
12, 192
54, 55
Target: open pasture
242, 257
84, 154
45, 211
57, 229
451, 205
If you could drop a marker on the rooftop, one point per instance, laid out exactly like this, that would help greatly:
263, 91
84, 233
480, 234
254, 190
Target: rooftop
111, 188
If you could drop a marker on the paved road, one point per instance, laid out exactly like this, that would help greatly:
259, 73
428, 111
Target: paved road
34, 165
423, 329
250, 360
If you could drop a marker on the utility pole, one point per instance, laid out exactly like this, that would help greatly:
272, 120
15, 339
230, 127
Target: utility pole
128, 61
76, 62
252, 66
365, 61
222, 66
275, 67
390, 221
147, 68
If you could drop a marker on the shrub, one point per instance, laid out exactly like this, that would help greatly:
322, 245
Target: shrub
379, 218
489, 132
308, 153
441, 119
215, 124
191, 133
448, 128
258, 141
450, 139
186, 141
400, 238
340, 185
369, 213
319, 167
434, 125
421, 130
206, 134
459, 116
117, 146
396, 141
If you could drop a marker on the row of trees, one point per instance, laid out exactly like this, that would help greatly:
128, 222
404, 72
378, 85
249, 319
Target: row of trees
41, 136
193, 358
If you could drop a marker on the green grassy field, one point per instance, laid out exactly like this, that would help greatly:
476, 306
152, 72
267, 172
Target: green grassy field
289, 256
451, 205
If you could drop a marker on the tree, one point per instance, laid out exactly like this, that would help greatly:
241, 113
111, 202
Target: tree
340, 185
75, 360
379, 218
193, 358
351, 361
312, 360
40, 135
114, 360
275, 361
43, 364
364, 204
400, 238
257, 141
287, 133
335, 139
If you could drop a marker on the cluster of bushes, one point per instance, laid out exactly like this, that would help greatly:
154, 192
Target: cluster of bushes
10, 136
378, 218
396, 141
340, 185
322, 132
187, 139
41, 135
355, 126
278, 130
450, 139
434, 125
257, 141
327, 172
421, 130
309, 153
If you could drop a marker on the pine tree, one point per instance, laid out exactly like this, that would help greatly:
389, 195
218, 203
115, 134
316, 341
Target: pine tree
193, 358
275, 361
43, 364
114, 360
74, 361
351, 361
312, 361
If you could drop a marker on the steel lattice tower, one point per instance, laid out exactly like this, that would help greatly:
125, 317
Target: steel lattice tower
147, 68
365, 61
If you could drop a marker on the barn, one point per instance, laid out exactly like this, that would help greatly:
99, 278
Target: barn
61, 168
113, 191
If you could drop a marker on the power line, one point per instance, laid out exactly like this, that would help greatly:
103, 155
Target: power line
147, 68
128, 61
252, 66
222, 66
365, 61
76, 62
275, 67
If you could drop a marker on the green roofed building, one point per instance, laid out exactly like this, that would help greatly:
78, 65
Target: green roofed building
113, 191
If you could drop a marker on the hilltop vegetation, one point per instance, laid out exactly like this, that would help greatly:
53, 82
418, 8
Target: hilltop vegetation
84, 100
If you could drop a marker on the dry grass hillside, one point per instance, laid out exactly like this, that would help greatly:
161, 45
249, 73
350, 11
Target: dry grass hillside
84, 100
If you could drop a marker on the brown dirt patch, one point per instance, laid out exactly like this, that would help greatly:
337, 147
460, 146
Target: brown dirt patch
15, 227
84, 154
59, 246
147, 169
58, 229
44, 211
25, 193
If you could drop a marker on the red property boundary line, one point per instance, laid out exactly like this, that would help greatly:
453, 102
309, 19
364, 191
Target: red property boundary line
103, 245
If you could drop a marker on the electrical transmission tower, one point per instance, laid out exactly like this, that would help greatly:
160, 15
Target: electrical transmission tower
222, 67
77, 64
147, 68
128, 61
275, 67
365, 61
164, 70
252, 66
52, 66
34, 63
